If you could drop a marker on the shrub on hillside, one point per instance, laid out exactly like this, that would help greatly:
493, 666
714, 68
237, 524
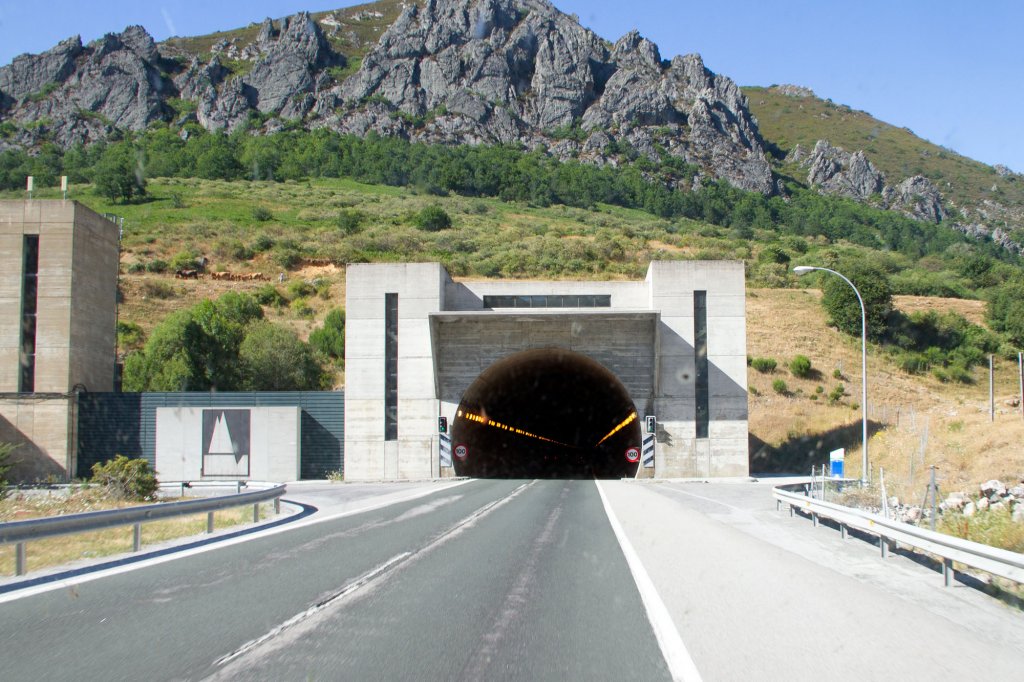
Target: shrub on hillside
764, 365
184, 260
268, 294
432, 219
780, 387
330, 338
773, 254
800, 366
350, 220
298, 288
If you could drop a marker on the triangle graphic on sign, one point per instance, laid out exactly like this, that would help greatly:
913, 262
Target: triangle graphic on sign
220, 443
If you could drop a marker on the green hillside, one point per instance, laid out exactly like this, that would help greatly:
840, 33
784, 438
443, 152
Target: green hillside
786, 121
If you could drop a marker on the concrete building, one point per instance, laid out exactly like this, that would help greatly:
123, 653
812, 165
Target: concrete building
58, 303
536, 377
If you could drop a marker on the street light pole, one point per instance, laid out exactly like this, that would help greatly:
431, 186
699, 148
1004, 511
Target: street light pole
803, 270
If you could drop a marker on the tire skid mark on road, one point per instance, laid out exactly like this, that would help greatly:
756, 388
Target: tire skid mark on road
360, 582
240, 661
516, 598
319, 541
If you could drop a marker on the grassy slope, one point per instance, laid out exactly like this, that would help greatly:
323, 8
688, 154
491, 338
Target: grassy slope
788, 121
214, 217
358, 30
948, 422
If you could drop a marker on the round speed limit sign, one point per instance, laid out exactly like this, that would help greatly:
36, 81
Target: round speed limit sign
461, 451
633, 455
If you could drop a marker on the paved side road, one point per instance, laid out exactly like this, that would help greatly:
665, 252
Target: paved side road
757, 594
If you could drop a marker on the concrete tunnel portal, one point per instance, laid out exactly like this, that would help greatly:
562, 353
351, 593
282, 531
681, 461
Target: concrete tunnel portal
546, 413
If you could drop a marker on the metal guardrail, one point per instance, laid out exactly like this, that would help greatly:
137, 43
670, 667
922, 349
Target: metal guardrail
1001, 562
20, 532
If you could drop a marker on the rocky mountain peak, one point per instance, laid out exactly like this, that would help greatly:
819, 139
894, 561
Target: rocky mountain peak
501, 71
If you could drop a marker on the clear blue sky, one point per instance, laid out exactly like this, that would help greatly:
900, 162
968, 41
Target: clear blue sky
950, 70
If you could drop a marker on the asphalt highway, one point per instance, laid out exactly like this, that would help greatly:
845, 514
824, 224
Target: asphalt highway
520, 580
486, 580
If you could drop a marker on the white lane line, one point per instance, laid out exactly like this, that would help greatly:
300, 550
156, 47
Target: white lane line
304, 621
70, 583
678, 659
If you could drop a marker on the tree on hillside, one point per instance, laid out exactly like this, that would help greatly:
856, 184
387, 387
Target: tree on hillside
195, 349
1005, 312
840, 301
330, 338
118, 176
273, 358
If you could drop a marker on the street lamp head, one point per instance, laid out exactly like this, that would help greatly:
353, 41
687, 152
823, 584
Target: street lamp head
804, 269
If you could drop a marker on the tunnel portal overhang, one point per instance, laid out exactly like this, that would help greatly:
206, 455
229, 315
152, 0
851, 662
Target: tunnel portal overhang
466, 343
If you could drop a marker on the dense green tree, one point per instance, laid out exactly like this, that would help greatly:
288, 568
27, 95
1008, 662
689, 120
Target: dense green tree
1005, 312
118, 174
194, 349
222, 345
273, 358
840, 301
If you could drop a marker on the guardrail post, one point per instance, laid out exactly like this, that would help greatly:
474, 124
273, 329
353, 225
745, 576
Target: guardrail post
947, 572
256, 513
238, 487
277, 505
792, 510
19, 558
209, 522
814, 519
136, 537
842, 530
883, 542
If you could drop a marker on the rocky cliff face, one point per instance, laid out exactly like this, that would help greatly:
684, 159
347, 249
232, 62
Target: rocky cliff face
447, 71
833, 170
73, 94
520, 70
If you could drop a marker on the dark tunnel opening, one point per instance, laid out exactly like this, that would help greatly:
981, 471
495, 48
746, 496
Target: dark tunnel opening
548, 413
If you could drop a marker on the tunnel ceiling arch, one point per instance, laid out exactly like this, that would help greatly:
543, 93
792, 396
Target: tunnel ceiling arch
546, 413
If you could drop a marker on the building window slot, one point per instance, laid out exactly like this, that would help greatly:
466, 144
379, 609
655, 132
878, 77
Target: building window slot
29, 304
390, 366
700, 351
549, 301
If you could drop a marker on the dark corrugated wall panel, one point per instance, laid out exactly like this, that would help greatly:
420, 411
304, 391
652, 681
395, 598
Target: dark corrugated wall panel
108, 421
108, 425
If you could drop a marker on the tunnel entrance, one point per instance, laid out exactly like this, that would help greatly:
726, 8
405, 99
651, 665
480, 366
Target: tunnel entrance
549, 413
